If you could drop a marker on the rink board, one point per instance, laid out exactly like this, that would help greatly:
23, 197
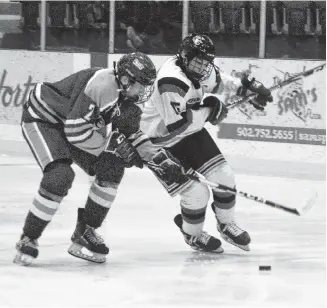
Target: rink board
300, 106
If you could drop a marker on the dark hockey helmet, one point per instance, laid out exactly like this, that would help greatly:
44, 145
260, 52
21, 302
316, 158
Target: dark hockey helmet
136, 67
196, 55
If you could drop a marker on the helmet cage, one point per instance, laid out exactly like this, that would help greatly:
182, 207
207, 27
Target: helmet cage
145, 94
199, 68
144, 81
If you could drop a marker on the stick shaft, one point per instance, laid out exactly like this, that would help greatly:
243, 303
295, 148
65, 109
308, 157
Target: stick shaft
245, 195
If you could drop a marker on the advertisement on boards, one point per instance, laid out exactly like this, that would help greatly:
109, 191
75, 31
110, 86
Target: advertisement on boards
297, 113
20, 71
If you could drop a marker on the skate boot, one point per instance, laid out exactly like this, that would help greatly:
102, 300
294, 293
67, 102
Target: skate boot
86, 243
27, 250
233, 234
204, 242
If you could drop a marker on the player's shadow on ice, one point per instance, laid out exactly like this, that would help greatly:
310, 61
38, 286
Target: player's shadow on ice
204, 257
71, 265
121, 263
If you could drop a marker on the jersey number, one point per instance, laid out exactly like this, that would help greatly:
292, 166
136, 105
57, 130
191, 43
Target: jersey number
92, 115
176, 106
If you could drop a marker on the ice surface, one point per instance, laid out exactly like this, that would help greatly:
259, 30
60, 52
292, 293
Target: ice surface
149, 264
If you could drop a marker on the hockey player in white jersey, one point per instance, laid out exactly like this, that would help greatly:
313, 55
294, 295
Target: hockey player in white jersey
175, 116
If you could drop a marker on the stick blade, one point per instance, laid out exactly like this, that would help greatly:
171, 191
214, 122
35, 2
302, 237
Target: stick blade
308, 204
292, 211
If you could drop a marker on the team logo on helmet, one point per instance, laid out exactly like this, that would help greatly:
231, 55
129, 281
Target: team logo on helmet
138, 64
198, 40
203, 43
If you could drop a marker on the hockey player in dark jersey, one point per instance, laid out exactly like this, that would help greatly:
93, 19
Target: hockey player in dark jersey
174, 117
66, 122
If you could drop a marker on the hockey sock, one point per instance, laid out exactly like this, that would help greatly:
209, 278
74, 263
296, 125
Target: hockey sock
224, 206
44, 207
193, 203
193, 220
98, 203
34, 226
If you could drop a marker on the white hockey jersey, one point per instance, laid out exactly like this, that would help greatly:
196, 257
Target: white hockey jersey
171, 113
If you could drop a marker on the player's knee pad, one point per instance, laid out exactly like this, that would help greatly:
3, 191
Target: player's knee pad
58, 178
109, 169
195, 197
223, 174
113, 175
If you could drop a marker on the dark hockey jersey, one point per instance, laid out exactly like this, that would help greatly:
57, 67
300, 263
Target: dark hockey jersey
75, 103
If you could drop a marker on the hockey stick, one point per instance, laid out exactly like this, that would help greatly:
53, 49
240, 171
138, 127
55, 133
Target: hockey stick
200, 178
306, 207
279, 85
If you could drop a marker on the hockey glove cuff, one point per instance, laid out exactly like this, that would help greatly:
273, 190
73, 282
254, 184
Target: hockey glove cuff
167, 167
119, 145
218, 109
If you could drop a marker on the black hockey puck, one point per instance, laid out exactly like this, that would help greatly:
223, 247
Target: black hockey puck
264, 268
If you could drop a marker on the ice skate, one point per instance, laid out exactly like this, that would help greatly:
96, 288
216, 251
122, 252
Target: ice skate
204, 242
27, 251
86, 243
234, 235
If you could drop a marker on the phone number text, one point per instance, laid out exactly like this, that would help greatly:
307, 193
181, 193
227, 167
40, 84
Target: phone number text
265, 133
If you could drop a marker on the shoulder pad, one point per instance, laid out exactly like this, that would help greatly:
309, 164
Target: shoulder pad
172, 84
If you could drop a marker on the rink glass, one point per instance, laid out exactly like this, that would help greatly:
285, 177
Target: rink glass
152, 27
296, 29
271, 29
233, 26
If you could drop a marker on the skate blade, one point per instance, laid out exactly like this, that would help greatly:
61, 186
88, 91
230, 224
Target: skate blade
218, 250
23, 259
81, 252
228, 240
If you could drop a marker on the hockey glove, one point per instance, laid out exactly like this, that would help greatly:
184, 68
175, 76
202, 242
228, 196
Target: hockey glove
119, 145
218, 109
264, 94
167, 167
